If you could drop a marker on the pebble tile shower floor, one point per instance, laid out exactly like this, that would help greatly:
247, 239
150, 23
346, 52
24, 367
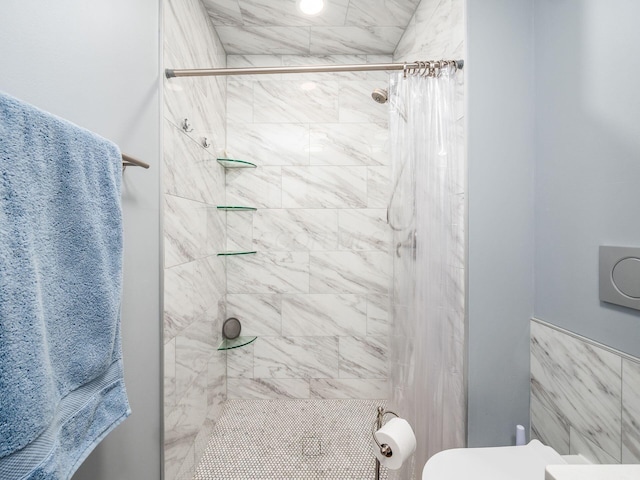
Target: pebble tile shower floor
291, 440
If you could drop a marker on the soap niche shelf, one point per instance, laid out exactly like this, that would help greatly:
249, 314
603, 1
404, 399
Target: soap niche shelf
232, 208
231, 254
229, 343
232, 163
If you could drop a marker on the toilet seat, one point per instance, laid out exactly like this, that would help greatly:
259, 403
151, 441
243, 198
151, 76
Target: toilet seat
527, 462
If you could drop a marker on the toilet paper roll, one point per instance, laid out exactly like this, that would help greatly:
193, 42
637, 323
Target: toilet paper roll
398, 434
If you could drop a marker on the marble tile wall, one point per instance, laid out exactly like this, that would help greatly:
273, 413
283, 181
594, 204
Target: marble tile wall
316, 293
585, 397
280, 27
194, 278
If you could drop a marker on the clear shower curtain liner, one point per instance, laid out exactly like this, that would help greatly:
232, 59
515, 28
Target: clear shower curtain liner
426, 213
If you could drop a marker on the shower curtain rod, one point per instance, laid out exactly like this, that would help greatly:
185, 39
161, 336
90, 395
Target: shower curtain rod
416, 67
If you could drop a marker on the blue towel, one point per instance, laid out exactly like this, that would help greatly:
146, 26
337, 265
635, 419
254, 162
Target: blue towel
61, 380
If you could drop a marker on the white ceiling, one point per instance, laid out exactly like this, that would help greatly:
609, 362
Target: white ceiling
279, 27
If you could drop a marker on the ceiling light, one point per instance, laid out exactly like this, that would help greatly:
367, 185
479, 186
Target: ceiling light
311, 7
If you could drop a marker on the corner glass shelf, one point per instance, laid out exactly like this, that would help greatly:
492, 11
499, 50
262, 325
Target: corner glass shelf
228, 343
231, 163
230, 254
232, 208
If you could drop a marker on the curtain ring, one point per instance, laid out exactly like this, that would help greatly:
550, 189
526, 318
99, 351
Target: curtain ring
451, 66
416, 72
424, 66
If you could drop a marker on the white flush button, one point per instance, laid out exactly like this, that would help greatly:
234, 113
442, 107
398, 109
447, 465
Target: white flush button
626, 277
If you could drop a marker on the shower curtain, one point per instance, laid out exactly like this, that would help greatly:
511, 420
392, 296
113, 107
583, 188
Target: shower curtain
426, 214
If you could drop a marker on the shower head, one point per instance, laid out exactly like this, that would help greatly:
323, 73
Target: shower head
380, 95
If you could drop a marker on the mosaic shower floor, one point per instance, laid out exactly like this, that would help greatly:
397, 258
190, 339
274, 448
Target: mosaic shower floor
291, 440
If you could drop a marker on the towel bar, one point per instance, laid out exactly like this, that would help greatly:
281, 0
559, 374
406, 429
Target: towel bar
133, 162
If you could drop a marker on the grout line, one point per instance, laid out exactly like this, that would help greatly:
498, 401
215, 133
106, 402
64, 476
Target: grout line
621, 406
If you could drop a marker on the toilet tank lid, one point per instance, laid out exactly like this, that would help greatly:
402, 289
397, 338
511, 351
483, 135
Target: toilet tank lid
494, 463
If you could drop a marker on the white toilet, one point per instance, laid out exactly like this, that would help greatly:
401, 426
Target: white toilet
527, 462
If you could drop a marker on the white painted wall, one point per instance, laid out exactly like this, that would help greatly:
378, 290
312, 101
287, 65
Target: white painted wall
587, 160
500, 114
97, 64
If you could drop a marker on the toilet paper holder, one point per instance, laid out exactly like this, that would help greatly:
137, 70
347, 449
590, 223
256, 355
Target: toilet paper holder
384, 448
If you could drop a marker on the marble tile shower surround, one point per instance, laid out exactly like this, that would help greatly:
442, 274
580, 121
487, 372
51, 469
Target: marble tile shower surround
316, 293
279, 27
585, 397
194, 278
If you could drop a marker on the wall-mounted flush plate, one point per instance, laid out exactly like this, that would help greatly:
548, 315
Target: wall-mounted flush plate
620, 276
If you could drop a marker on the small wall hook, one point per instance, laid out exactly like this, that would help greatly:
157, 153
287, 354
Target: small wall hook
186, 125
205, 142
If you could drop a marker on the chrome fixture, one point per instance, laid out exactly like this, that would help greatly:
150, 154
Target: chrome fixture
231, 328
380, 95
432, 68
384, 448
129, 161
186, 125
411, 243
